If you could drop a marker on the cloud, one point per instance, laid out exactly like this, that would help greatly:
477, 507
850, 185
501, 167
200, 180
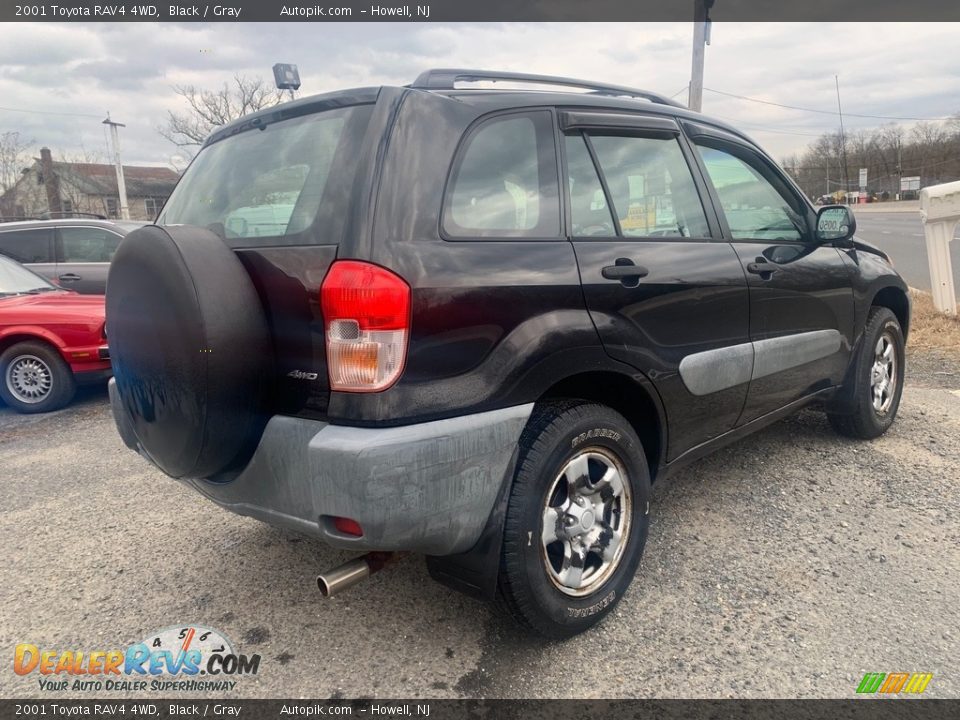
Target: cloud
130, 68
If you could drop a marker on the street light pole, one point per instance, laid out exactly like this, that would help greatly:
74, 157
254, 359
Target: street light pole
700, 38
121, 184
843, 143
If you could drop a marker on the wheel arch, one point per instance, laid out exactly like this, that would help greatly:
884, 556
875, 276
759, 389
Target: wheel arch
18, 335
897, 301
634, 397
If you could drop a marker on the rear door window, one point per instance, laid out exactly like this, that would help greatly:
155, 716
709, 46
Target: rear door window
651, 186
504, 182
589, 212
28, 246
285, 184
87, 245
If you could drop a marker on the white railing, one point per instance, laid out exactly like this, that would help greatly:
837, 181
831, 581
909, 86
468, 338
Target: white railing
940, 212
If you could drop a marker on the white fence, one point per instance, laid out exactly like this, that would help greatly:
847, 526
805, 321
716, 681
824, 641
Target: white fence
940, 211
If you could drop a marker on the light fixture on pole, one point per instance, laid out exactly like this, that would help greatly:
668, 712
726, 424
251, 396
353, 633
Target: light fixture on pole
287, 77
121, 185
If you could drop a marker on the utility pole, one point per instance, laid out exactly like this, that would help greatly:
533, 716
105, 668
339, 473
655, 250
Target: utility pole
121, 185
899, 173
701, 37
843, 142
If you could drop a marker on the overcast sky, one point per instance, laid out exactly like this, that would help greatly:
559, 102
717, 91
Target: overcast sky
129, 69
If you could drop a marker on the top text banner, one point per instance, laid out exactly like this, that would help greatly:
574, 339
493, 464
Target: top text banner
476, 11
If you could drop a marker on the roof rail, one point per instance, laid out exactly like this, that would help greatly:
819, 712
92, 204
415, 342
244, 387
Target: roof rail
53, 215
446, 78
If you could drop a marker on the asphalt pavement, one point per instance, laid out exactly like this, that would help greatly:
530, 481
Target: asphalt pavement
787, 565
900, 235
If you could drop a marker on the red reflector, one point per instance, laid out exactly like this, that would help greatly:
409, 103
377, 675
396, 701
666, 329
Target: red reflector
348, 526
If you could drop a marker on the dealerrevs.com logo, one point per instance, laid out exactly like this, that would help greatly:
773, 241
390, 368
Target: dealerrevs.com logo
186, 657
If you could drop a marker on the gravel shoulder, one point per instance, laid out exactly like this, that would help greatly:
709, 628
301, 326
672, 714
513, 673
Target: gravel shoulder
786, 565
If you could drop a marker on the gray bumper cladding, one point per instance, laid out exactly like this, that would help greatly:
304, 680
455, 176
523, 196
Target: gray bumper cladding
721, 368
427, 487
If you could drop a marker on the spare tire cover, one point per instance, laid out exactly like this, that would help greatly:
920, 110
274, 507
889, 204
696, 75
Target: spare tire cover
190, 348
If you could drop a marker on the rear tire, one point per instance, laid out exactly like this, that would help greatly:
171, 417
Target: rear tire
577, 518
873, 394
34, 378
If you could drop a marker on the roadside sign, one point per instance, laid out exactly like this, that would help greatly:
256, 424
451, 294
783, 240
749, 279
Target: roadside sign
863, 178
910, 183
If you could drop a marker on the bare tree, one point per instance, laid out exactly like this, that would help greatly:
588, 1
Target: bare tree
12, 158
209, 109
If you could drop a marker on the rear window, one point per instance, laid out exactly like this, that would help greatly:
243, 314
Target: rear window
286, 184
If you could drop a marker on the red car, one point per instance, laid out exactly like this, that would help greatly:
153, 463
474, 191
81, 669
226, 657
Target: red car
50, 340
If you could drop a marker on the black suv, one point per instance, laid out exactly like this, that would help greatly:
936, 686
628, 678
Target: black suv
476, 324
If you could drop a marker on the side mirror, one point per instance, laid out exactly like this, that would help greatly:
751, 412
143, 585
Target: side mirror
835, 223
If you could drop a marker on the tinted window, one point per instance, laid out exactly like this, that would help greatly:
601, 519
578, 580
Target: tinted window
87, 244
754, 207
27, 246
651, 187
266, 187
505, 181
588, 203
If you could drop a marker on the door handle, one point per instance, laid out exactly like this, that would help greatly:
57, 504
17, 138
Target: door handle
70, 277
761, 268
624, 270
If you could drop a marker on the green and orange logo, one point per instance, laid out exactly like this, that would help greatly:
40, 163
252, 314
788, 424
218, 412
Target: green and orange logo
894, 683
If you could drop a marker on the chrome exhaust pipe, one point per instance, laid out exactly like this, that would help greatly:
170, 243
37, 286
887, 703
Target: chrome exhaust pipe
354, 571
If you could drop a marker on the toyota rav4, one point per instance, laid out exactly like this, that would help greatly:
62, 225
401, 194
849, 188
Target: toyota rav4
476, 323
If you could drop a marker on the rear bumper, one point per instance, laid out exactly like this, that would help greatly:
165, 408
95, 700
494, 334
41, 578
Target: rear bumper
428, 487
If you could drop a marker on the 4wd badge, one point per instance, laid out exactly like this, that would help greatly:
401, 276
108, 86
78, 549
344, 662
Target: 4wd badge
301, 375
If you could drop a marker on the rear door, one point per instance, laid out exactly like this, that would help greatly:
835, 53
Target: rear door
32, 247
801, 299
666, 293
83, 257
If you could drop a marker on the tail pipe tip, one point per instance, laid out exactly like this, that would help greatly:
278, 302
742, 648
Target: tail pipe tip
336, 580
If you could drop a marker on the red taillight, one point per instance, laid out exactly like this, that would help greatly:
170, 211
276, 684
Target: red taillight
348, 526
366, 311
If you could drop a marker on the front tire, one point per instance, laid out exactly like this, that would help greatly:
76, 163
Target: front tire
876, 382
34, 378
577, 518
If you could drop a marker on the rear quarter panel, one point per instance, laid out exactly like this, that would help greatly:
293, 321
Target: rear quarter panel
495, 323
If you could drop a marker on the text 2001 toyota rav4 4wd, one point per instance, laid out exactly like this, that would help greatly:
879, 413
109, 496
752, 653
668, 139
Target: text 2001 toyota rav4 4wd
477, 324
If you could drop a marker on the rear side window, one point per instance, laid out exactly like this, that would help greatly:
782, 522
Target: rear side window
273, 186
504, 182
28, 246
651, 187
87, 244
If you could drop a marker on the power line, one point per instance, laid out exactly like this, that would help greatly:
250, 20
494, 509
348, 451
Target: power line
822, 112
48, 112
762, 128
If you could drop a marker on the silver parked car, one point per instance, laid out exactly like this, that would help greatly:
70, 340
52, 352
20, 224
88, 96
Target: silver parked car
71, 252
